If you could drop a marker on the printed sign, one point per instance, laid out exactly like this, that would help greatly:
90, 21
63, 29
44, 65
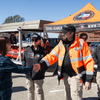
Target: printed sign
90, 37
84, 15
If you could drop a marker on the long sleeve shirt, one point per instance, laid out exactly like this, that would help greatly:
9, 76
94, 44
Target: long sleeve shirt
6, 68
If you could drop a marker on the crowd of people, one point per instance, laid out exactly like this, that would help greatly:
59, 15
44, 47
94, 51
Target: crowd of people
75, 65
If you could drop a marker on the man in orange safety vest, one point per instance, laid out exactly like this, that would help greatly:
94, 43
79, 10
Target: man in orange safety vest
75, 63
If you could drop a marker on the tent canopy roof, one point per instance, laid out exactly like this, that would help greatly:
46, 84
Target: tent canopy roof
36, 25
88, 14
70, 20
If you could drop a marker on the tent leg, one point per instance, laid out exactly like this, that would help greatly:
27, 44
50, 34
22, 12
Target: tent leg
20, 45
45, 35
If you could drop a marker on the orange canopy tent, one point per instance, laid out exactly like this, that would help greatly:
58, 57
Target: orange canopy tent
86, 19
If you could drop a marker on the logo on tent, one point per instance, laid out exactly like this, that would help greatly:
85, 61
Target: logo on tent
81, 26
84, 15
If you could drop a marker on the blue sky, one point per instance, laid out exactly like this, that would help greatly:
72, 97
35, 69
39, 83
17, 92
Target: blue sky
52, 10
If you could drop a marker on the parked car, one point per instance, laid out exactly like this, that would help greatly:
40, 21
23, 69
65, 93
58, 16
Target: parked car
94, 44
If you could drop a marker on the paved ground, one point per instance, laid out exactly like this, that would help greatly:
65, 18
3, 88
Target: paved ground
52, 90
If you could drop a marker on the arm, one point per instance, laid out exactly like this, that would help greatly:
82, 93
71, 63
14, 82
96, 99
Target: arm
9, 66
88, 64
95, 56
51, 58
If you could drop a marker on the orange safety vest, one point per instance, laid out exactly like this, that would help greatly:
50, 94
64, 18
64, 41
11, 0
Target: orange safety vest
80, 57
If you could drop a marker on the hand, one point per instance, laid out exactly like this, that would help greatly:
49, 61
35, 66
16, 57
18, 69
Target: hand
87, 85
36, 67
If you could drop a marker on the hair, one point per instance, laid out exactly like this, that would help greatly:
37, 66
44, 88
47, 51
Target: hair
3, 41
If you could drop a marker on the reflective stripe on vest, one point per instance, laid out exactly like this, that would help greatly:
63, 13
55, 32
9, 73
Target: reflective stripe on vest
46, 61
59, 73
81, 44
85, 72
81, 58
60, 45
61, 58
87, 57
89, 72
55, 53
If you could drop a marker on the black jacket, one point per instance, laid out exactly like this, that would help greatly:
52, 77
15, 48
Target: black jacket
32, 57
96, 56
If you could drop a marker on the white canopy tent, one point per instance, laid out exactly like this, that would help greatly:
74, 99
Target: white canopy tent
19, 27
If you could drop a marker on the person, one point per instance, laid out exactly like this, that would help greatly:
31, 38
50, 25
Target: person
7, 67
46, 45
43, 43
96, 57
33, 55
92, 49
75, 63
84, 36
13, 39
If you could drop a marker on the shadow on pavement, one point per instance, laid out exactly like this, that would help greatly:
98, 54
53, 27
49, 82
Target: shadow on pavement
49, 76
17, 76
90, 98
18, 89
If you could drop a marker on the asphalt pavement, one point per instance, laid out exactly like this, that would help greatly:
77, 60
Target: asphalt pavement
52, 91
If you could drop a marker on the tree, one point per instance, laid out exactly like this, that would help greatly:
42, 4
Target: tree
13, 19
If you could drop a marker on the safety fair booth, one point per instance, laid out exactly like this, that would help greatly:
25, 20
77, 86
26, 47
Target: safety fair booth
86, 21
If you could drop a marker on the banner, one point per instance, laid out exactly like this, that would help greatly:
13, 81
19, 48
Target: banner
79, 27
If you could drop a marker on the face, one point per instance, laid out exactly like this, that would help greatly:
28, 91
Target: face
67, 36
84, 38
37, 43
8, 47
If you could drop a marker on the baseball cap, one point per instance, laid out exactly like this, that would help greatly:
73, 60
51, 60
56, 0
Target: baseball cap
68, 27
36, 37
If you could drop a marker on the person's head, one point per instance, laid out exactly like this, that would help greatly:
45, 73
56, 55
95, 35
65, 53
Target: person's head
68, 32
5, 45
44, 40
36, 40
84, 36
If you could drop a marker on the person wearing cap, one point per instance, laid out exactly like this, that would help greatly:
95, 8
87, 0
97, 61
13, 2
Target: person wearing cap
46, 45
75, 63
33, 55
